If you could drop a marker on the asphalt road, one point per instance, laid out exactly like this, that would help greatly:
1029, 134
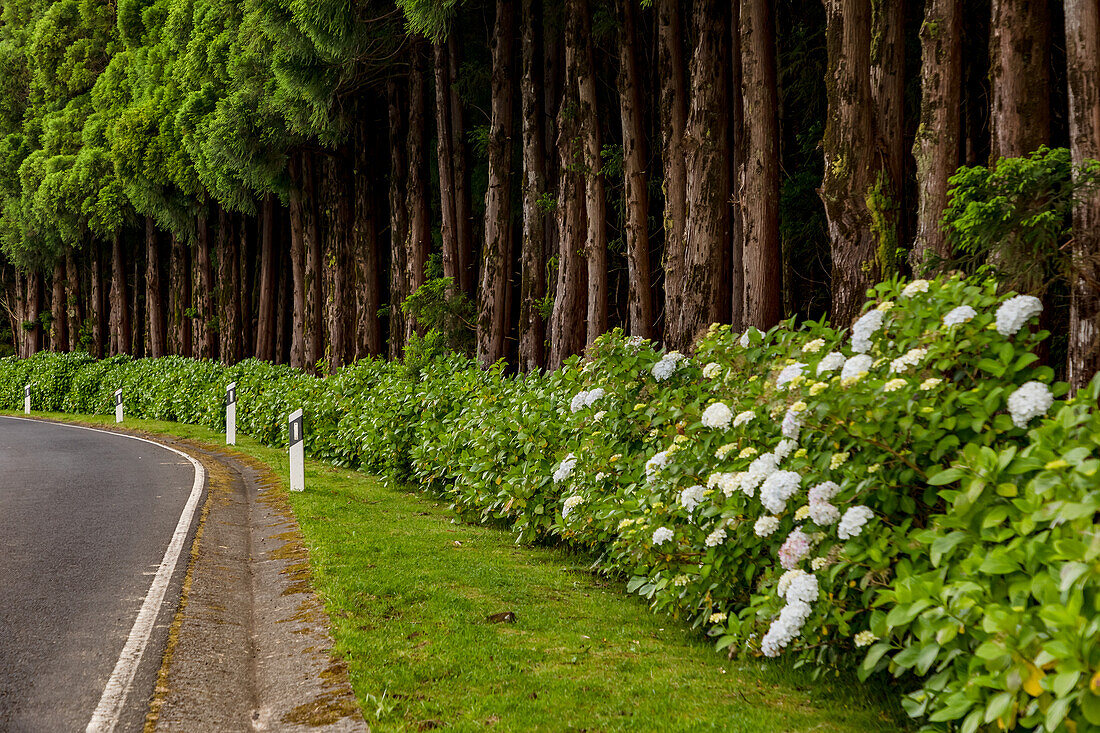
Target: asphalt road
85, 519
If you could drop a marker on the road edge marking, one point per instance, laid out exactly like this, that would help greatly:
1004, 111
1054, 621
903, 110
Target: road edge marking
107, 712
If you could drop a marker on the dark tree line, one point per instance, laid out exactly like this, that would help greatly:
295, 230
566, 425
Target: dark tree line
233, 179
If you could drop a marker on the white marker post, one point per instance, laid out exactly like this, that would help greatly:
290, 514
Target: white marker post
118, 405
27, 399
231, 413
297, 453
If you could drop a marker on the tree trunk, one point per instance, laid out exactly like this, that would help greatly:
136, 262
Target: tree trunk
532, 334
179, 298
673, 118
496, 256
59, 326
120, 310
706, 155
888, 94
265, 316
737, 158
850, 172
759, 195
154, 305
204, 332
444, 136
337, 261
1083, 63
229, 316
314, 320
1019, 73
420, 230
74, 302
136, 274
570, 293
399, 216
635, 193
246, 258
95, 280
297, 264
364, 246
283, 314
936, 147
463, 214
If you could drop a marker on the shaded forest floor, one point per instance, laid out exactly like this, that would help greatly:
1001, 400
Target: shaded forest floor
409, 591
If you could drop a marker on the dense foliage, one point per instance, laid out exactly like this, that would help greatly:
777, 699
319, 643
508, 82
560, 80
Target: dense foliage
916, 497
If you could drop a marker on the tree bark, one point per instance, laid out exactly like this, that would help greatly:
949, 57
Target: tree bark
463, 214
737, 158
532, 334
95, 279
570, 293
850, 172
673, 118
635, 192
888, 95
936, 147
229, 316
74, 301
120, 310
265, 316
59, 325
759, 172
364, 245
246, 258
179, 298
419, 211
706, 155
204, 333
283, 314
1083, 63
496, 256
313, 320
338, 261
297, 265
445, 159
154, 306
1019, 73
399, 216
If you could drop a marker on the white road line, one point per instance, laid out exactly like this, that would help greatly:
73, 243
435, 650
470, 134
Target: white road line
107, 713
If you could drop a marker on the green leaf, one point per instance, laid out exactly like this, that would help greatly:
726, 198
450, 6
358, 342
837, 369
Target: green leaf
946, 476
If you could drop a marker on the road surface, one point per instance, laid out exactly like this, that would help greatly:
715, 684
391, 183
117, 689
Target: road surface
86, 518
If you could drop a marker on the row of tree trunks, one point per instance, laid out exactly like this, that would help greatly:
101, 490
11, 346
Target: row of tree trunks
496, 255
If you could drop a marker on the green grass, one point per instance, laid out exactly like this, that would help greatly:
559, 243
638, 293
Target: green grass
408, 590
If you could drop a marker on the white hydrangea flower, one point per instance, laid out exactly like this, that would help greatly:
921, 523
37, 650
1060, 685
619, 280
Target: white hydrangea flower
570, 504
577, 403
661, 535
743, 418
885, 305
823, 513
747, 452
792, 423
600, 476
855, 368
786, 579
747, 336
812, 347
717, 618
851, 524
1015, 312
830, 363
716, 537
1032, 399
786, 627
864, 328
759, 470
724, 451
717, 416
664, 368
838, 460
930, 383
785, 448
712, 370
959, 315
565, 468
865, 638
692, 497
910, 358
728, 483
788, 373
917, 286
658, 461
795, 548
777, 488
765, 526
824, 491
894, 385
803, 588
599, 416
591, 397
819, 563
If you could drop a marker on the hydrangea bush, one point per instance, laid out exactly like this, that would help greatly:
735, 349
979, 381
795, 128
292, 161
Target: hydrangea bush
913, 496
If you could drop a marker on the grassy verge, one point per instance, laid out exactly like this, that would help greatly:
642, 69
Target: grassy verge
409, 591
